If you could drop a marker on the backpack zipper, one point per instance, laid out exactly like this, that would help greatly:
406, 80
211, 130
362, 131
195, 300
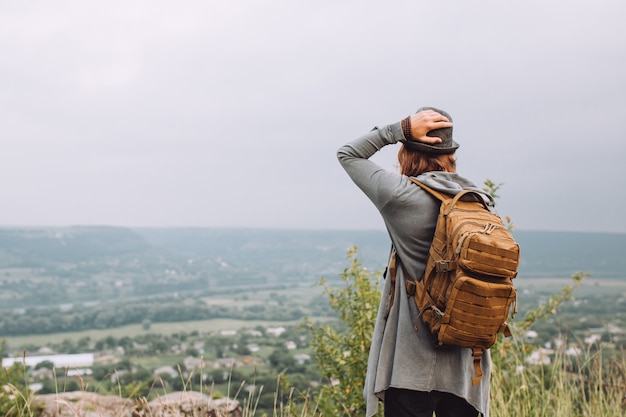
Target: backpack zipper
488, 228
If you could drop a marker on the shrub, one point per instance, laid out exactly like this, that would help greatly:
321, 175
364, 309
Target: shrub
341, 349
15, 397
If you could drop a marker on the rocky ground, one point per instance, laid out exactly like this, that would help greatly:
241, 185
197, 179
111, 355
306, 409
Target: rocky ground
177, 404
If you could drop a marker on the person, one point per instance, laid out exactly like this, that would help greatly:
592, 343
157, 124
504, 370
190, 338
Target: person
405, 370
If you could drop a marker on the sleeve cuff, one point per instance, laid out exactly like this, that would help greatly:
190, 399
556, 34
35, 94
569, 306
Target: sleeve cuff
406, 128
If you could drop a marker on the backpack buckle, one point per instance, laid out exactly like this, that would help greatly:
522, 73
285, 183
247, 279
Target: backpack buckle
410, 287
445, 266
438, 312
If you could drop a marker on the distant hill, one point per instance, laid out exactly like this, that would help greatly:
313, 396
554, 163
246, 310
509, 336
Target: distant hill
561, 254
37, 247
267, 247
544, 253
51, 266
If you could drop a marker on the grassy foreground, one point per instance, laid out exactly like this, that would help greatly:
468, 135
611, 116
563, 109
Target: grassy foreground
585, 386
587, 383
582, 386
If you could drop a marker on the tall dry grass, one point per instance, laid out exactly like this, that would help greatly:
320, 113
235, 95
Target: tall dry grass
587, 385
582, 385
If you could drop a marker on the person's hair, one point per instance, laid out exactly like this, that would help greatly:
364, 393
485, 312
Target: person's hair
412, 163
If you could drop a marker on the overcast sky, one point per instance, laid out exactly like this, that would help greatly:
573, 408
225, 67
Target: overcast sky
229, 113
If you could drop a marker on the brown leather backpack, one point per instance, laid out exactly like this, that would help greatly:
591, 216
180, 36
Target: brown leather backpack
466, 292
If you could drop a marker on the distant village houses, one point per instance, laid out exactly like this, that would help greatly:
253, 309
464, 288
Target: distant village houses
80, 360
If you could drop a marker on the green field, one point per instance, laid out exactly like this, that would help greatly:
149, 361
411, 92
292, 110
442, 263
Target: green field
531, 290
204, 326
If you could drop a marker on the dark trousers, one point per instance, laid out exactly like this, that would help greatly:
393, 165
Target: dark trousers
408, 403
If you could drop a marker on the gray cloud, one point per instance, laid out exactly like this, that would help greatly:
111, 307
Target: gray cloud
230, 113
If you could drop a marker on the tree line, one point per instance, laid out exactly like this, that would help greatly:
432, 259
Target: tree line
48, 320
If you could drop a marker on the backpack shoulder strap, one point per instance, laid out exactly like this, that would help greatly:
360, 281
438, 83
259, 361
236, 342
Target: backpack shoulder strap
434, 193
443, 197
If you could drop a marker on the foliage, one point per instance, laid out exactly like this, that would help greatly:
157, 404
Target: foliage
492, 188
554, 303
341, 352
505, 353
15, 397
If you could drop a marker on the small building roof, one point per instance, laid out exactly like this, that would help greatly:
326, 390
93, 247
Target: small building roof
79, 360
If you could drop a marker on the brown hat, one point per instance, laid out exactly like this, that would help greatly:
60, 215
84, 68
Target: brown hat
447, 144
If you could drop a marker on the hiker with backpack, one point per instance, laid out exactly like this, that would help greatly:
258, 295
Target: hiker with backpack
407, 370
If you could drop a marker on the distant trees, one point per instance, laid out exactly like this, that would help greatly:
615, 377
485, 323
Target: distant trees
45, 364
46, 320
281, 358
55, 319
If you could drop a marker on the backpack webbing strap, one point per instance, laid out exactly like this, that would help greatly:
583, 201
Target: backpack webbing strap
425, 301
477, 353
505, 330
434, 193
443, 197
409, 285
392, 276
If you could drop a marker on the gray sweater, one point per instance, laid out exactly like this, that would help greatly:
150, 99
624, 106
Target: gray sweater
399, 356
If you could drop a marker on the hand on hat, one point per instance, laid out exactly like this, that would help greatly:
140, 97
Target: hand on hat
425, 121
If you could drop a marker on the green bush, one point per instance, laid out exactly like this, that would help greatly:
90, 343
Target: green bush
341, 349
15, 397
